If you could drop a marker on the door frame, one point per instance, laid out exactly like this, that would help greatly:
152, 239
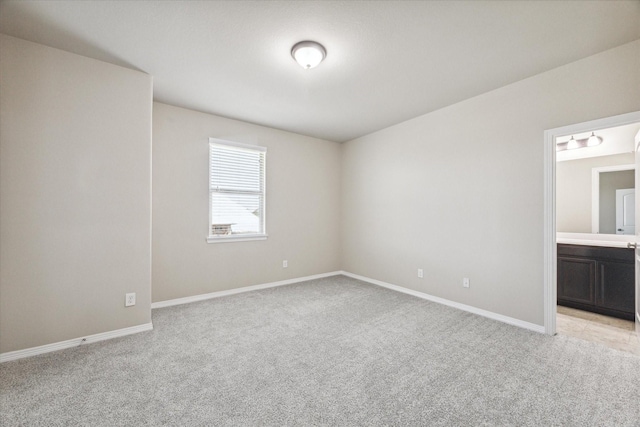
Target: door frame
549, 240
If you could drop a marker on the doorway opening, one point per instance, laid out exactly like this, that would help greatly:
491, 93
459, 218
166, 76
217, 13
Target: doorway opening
590, 227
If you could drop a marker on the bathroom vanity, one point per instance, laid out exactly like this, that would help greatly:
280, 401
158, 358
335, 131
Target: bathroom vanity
596, 274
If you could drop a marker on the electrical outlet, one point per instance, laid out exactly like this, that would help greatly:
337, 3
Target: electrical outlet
420, 273
465, 282
285, 264
129, 299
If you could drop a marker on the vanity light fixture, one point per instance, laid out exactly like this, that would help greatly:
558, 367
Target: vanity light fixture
308, 54
573, 143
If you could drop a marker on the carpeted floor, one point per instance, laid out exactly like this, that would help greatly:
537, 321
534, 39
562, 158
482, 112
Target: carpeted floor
333, 351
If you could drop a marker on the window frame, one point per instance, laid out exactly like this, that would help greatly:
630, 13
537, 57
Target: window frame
212, 238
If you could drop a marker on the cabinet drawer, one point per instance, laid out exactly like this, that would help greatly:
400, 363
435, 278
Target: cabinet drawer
596, 252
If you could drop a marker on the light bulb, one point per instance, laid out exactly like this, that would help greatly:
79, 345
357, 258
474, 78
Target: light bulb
572, 144
594, 140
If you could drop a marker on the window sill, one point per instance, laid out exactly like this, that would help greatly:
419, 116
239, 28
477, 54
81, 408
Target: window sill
237, 238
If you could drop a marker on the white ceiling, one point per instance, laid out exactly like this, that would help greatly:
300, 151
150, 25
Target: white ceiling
386, 61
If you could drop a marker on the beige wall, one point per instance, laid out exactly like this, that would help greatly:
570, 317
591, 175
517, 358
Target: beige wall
459, 192
75, 139
302, 208
574, 188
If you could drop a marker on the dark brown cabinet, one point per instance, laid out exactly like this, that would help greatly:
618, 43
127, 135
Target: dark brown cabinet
577, 280
597, 279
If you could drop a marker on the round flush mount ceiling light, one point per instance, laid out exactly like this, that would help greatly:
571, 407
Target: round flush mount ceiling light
308, 54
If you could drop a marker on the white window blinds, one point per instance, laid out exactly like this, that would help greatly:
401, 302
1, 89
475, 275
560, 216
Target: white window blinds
236, 190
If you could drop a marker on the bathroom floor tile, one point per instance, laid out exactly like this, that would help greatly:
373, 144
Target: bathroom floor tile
609, 331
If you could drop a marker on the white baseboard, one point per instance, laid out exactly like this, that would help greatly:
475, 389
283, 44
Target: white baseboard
218, 294
464, 307
33, 351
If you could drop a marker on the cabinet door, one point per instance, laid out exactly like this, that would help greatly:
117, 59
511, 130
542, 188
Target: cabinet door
577, 280
616, 286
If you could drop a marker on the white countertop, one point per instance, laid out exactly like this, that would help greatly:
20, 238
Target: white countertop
588, 239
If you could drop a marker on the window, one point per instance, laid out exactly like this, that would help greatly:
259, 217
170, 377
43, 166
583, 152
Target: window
236, 191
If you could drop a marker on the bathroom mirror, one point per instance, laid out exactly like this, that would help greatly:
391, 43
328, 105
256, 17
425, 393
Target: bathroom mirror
613, 200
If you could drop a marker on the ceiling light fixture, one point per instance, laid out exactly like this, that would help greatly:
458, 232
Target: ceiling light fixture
308, 54
573, 143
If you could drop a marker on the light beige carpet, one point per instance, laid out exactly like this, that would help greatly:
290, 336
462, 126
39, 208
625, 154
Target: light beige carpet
334, 351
